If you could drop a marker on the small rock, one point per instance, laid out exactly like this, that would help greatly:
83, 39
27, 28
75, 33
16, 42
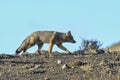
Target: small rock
46, 78
77, 63
37, 66
87, 67
37, 71
65, 66
1, 73
102, 63
59, 61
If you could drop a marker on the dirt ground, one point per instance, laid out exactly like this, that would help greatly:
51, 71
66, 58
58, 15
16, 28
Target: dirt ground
61, 66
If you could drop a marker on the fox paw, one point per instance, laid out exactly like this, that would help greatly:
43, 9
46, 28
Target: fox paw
37, 53
16, 54
24, 54
50, 55
68, 52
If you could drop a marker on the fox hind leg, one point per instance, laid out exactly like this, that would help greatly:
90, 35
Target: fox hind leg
39, 47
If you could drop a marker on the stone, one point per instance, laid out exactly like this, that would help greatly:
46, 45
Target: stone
65, 66
59, 61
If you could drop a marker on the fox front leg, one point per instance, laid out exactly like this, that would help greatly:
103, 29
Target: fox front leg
24, 53
63, 48
26, 48
50, 49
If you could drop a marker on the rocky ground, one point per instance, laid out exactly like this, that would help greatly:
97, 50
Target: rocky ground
60, 67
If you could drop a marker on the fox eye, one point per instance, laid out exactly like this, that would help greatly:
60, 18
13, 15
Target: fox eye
70, 37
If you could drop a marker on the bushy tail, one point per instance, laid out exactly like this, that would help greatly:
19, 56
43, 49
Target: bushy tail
22, 46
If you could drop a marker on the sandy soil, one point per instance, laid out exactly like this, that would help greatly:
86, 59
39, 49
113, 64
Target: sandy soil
60, 67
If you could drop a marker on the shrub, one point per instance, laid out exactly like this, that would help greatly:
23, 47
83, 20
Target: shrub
92, 44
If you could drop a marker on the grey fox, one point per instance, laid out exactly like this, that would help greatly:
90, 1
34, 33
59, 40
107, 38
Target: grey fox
51, 37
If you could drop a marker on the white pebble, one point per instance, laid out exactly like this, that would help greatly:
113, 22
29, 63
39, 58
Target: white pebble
65, 66
59, 61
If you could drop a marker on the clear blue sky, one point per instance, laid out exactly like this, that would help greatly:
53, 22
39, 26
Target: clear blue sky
91, 19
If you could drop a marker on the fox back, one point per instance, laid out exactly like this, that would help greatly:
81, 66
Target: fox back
58, 37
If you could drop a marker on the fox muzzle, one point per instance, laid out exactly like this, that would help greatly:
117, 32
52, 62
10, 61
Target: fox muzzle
73, 41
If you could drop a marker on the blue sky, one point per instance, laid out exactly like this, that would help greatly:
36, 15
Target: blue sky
91, 19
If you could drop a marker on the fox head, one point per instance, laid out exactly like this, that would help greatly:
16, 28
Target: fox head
70, 37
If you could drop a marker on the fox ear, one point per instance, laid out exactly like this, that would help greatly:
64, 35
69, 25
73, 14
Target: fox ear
68, 33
